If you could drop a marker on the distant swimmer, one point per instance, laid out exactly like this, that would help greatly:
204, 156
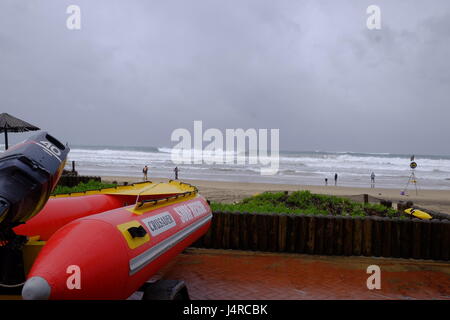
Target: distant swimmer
335, 179
176, 172
372, 180
145, 171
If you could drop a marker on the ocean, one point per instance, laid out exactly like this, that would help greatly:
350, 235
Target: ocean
303, 168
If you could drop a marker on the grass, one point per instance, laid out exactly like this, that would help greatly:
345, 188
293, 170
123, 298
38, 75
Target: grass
82, 187
304, 202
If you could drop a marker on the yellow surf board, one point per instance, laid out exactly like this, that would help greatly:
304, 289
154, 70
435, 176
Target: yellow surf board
141, 189
418, 214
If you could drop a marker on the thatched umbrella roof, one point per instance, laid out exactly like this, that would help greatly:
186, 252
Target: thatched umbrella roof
12, 124
8, 123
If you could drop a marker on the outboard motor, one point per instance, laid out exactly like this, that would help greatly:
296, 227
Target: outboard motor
29, 172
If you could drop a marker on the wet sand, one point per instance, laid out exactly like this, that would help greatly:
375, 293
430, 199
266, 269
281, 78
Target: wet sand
229, 192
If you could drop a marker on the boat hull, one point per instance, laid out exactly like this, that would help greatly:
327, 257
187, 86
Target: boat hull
111, 254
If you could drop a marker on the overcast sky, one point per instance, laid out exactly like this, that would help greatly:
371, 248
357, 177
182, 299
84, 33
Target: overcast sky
139, 69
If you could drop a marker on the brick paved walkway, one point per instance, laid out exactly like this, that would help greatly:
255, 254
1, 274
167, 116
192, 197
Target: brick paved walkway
228, 275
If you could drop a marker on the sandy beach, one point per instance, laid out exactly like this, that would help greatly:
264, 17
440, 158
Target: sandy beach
228, 192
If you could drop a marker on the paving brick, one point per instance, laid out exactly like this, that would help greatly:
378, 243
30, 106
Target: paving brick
230, 275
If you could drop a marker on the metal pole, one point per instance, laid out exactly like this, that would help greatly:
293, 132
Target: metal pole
415, 184
407, 184
6, 139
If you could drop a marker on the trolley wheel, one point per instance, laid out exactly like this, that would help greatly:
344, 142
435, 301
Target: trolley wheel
166, 290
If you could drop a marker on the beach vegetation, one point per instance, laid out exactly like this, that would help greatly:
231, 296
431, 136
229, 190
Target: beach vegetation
304, 202
82, 187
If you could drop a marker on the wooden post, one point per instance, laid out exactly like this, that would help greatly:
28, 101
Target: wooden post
377, 236
311, 222
386, 203
339, 235
210, 232
282, 232
357, 235
217, 241
445, 240
253, 229
197, 243
366, 198
262, 229
273, 232
319, 243
386, 250
292, 229
73, 165
348, 236
435, 239
302, 237
244, 231
416, 239
329, 235
396, 237
235, 230
367, 236
401, 207
406, 239
426, 239
226, 231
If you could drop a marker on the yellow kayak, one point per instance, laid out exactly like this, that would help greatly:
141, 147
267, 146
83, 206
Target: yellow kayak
418, 214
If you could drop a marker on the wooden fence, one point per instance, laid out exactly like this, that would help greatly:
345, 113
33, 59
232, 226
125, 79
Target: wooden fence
329, 235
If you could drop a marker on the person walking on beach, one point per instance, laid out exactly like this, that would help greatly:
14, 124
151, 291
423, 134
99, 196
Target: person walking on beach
176, 173
326, 181
335, 179
372, 180
145, 171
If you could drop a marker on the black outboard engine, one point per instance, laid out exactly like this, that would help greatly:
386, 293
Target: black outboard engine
29, 172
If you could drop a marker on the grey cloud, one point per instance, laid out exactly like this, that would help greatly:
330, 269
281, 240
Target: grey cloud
139, 69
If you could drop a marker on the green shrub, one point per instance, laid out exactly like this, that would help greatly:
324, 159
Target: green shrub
303, 202
82, 187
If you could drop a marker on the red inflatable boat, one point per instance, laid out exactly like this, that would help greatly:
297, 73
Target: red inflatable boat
111, 254
63, 209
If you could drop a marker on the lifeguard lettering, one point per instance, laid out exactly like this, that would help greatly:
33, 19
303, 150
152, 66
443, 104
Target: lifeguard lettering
160, 223
197, 208
184, 212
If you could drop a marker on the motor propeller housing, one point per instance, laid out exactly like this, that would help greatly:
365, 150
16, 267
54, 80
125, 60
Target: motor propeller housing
29, 172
